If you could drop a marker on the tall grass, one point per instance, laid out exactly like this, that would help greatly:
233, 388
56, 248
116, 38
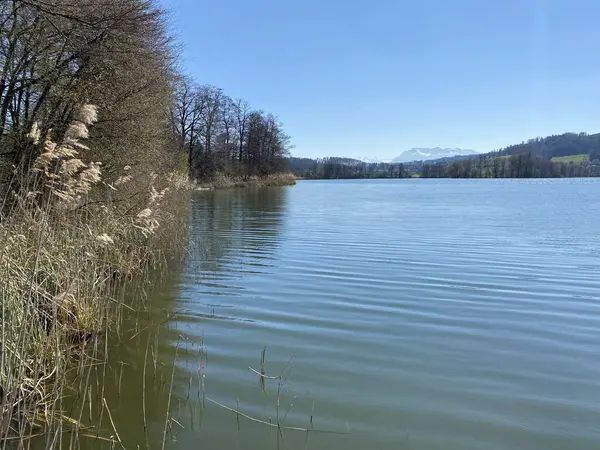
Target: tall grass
68, 242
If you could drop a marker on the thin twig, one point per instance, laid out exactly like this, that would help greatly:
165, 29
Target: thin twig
263, 375
144, 386
113, 424
274, 425
169, 398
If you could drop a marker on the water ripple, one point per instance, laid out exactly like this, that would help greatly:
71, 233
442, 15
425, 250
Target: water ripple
438, 314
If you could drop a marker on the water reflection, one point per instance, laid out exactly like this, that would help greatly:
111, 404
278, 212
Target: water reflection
444, 314
157, 363
236, 230
235, 234
122, 400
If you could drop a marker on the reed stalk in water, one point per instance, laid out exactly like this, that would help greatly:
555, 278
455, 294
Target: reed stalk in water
279, 424
168, 413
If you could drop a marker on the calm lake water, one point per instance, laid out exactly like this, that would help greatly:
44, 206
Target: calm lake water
411, 314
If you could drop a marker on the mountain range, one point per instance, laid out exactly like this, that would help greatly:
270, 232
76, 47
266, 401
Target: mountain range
428, 154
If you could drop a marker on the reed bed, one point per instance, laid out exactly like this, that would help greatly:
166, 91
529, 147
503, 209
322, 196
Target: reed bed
69, 242
224, 181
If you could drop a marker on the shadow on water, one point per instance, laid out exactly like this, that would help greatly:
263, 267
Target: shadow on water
236, 229
152, 387
235, 233
126, 394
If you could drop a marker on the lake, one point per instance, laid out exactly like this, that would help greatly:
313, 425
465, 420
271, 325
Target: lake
401, 314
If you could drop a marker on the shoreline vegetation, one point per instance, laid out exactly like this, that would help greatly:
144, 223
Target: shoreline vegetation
229, 182
101, 140
68, 249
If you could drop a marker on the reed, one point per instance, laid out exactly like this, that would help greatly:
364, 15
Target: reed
225, 181
280, 418
69, 241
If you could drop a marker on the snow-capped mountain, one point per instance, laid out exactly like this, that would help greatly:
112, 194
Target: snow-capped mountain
428, 154
370, 160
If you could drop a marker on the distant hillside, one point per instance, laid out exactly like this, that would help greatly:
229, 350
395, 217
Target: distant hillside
559, 145
429, 154
565, 155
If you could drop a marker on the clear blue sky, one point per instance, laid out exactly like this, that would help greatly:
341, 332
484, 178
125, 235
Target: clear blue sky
374, 78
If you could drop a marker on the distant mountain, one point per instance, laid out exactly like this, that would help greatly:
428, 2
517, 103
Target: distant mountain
370, 160
428, 154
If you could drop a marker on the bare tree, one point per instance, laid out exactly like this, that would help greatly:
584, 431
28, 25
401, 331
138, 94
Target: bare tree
56, 55
211, 97
242, 110
187, 111
228, 125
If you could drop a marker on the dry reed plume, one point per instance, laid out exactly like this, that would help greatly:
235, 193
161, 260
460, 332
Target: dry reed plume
68, 239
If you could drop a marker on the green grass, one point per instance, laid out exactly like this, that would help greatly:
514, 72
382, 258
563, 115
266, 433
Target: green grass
575, 159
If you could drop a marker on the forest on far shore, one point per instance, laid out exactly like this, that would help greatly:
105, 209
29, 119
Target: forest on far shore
557, 156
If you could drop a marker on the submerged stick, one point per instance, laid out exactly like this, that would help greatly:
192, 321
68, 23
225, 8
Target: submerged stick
263, 375
273, 425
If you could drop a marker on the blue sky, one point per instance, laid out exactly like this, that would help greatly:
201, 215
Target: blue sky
375, 78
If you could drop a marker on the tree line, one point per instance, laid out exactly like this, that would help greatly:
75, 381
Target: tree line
556, 156
344, 168
493, 165
223, 135
57, 55
520, 165
558, 145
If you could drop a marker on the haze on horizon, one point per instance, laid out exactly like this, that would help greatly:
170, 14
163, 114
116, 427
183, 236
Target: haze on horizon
375, 79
